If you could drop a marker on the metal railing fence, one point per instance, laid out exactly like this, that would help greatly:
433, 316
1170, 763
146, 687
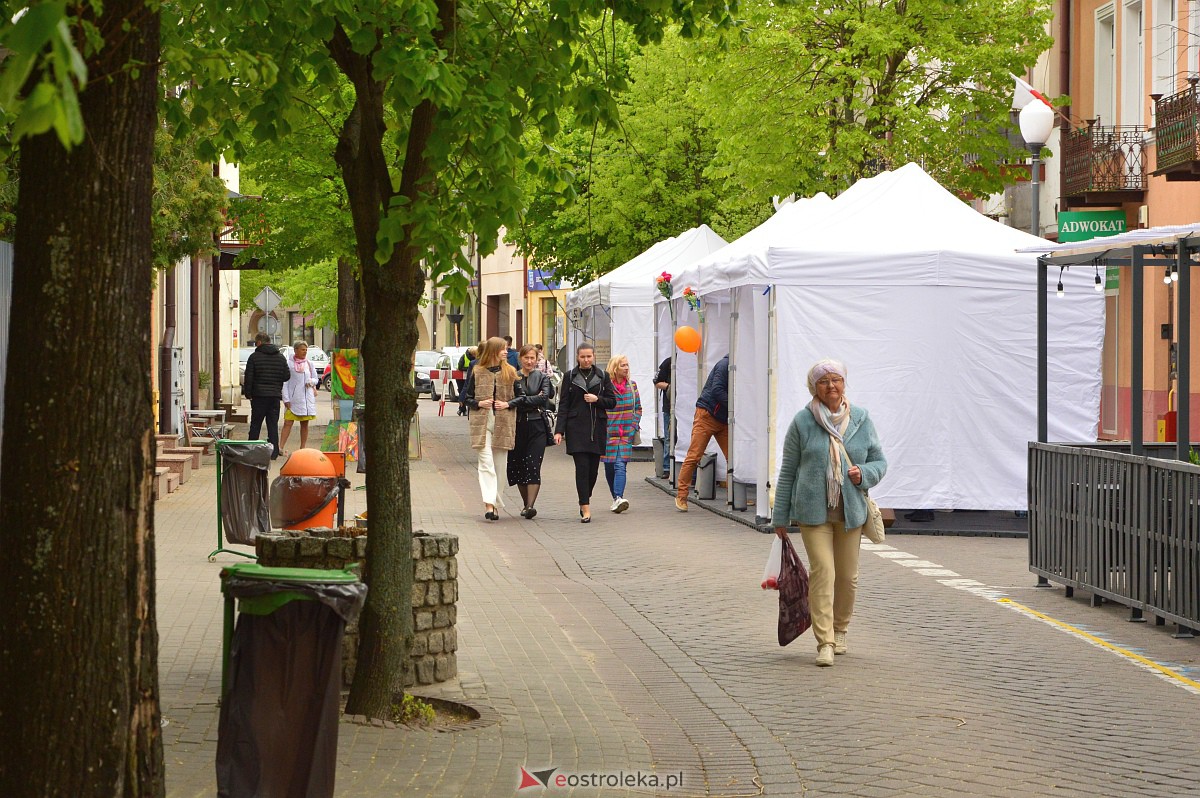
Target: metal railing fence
1125, 528
1177, 129
1103, 159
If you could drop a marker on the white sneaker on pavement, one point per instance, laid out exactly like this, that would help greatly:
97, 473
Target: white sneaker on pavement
620, 505
825, 655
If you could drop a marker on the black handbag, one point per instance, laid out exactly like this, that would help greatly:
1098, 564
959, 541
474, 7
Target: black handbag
794, 616
549, 420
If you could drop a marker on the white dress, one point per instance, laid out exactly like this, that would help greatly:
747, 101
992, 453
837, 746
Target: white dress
301, 389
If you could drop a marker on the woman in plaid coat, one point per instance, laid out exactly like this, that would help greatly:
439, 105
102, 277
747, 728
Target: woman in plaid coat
623, 423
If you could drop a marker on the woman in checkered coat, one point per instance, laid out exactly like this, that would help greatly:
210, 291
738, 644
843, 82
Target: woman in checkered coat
623, 423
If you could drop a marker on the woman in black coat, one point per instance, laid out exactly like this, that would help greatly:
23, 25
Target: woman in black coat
531, 397
587, 396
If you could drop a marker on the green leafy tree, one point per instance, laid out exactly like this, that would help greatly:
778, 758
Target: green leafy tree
444, 93
188, 204
314, 288
810, 98
821, 94
649, 178
301, 222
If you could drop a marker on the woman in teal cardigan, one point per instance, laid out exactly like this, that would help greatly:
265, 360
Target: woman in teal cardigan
831, 456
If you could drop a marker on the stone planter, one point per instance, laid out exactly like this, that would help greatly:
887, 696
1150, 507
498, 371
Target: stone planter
433, 656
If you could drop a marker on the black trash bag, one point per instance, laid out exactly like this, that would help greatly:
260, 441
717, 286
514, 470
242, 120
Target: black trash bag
294, 500
278, 729
794, 617
244, 505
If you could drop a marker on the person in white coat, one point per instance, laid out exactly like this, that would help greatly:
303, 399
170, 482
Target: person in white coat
299, 394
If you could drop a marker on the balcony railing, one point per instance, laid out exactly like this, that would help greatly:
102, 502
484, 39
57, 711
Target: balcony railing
1103, 164
1177, 133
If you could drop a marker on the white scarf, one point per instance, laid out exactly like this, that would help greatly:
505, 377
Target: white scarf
835, 424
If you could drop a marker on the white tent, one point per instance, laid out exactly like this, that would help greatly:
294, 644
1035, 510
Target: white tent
787, 225
933, 311
615, 312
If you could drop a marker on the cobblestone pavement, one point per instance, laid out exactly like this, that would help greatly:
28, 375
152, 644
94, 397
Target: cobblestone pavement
642, 643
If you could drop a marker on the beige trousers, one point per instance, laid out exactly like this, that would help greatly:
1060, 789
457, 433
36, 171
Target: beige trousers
833, 576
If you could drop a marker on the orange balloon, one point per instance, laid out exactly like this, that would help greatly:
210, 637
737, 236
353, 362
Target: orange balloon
687, 339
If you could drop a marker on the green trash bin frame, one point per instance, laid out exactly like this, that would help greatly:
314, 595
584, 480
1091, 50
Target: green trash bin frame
220, 549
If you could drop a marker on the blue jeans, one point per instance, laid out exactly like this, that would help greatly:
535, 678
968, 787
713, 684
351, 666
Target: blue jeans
615, 474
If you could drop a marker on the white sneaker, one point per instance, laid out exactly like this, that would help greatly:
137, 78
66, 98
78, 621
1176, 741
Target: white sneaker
839, 642
620, 505
825, 655
614, 505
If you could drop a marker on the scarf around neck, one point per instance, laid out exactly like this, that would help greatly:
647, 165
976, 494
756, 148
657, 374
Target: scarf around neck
835, 424
300, 364
620, 387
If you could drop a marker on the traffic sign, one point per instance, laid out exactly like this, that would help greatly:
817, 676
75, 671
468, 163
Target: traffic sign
267, 299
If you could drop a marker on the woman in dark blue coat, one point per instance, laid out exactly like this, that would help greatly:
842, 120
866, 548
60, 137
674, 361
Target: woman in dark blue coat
587, 396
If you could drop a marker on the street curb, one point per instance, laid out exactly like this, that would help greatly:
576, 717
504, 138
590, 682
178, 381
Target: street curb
743, 518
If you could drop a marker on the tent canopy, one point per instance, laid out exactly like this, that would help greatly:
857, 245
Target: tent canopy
616, 312
933, 310
632, 283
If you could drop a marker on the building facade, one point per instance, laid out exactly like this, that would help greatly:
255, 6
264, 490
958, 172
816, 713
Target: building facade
1129, 155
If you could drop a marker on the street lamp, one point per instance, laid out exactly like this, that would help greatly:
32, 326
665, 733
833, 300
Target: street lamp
1036, 120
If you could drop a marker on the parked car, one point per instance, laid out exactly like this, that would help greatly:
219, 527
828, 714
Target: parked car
423, 362
323, 363
450, 360
243, 356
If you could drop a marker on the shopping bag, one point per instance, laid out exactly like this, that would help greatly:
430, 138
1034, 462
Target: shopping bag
794, 617
770, 580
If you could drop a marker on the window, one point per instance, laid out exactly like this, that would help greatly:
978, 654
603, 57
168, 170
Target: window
549, 315
1164, 39
1105, 84
1133, 65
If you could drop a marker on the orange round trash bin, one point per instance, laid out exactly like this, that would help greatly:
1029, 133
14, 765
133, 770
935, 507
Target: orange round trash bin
301, 500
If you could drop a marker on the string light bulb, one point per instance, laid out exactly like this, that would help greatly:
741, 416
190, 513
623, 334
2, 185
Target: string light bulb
1099, 282
1060, 291
1167, 277
1174, 274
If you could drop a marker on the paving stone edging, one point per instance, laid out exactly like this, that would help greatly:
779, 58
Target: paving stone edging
433, 657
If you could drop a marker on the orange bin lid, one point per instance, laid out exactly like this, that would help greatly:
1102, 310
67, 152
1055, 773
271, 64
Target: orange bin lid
308, 463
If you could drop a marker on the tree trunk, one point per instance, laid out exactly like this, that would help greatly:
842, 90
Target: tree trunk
350, 306
79, 713
390, 292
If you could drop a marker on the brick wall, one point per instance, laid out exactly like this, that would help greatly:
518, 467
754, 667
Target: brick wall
435, 591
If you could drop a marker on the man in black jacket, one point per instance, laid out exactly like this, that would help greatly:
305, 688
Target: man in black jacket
266, 372
711, 421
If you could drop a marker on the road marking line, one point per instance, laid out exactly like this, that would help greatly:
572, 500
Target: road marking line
1161, 670
997, 595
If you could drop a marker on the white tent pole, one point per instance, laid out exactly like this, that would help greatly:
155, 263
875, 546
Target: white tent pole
672, 423
733, 348
767, 494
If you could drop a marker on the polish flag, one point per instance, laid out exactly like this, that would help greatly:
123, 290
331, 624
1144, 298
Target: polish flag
1024, 94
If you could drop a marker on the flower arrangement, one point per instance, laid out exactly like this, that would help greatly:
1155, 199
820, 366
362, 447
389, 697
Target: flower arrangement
693, 300
663, 283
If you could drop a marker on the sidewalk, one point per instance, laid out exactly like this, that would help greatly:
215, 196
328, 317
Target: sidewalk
642, 643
